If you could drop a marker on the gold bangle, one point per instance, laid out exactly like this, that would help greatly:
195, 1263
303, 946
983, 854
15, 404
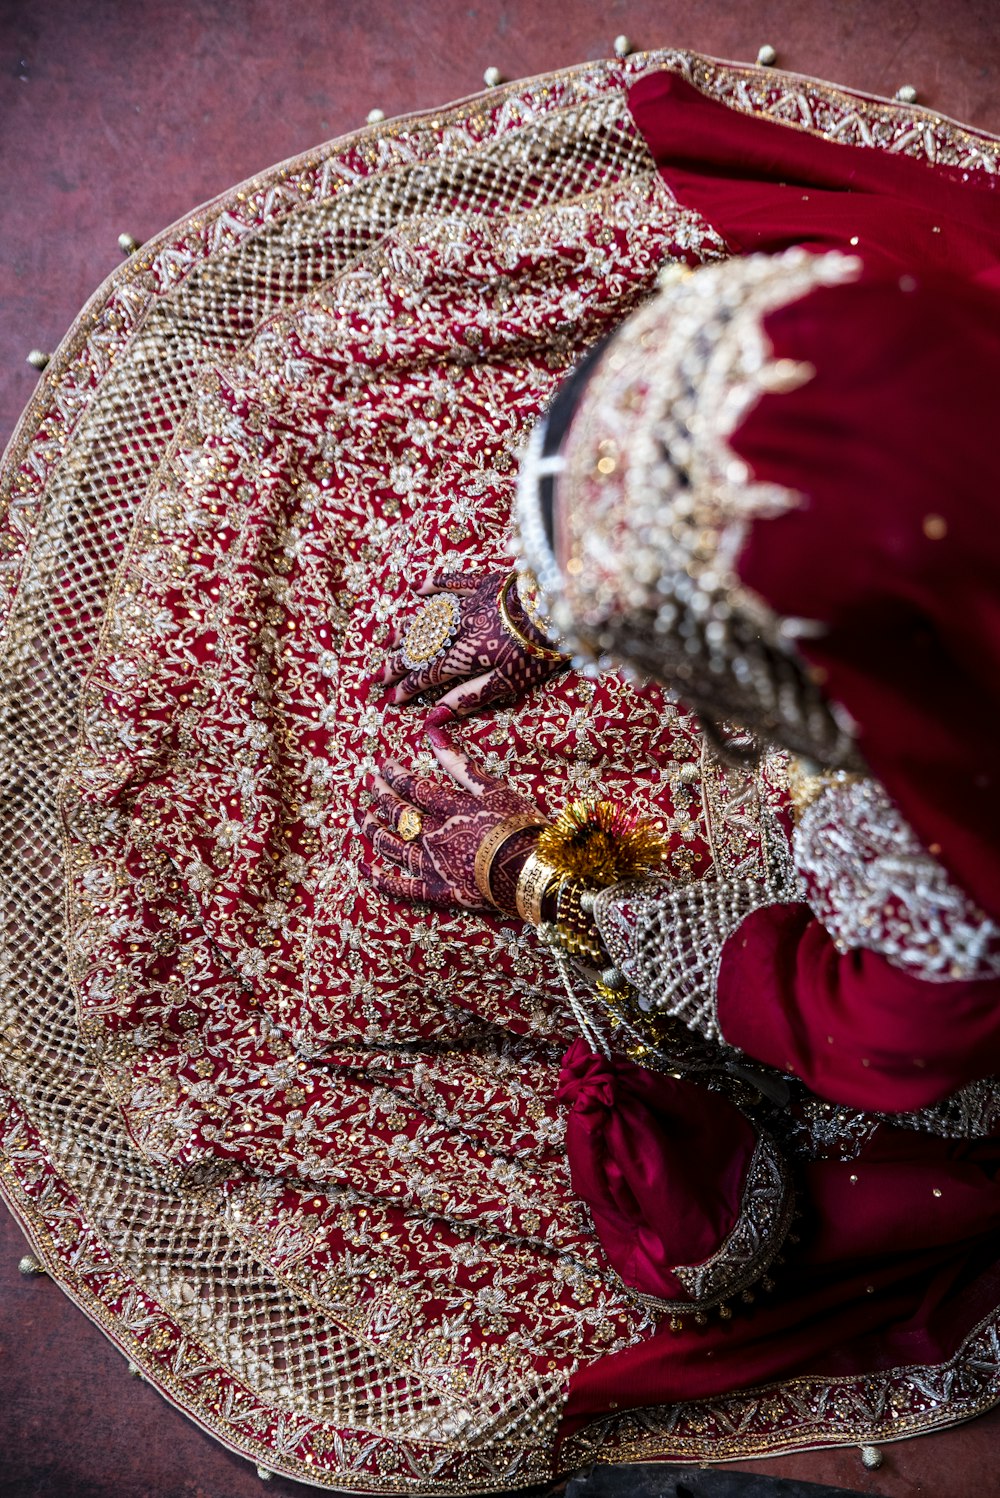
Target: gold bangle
528, 590
542, 651
494, 841
532, 884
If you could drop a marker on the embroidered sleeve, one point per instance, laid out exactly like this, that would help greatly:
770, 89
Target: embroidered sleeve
668, 942
873, 886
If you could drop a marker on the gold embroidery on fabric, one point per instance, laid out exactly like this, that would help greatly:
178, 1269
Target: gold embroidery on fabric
321, 1366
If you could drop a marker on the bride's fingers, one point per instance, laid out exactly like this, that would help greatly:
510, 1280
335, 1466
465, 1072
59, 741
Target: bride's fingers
384, 789
418, 681
394, 669
438, 724
446, 581
460, 767
388, 811
399, 630
429, 795
443, 668
469, 696
390, 848
387, 808
407, 886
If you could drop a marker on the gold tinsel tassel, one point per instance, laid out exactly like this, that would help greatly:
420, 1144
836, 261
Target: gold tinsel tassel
600, 843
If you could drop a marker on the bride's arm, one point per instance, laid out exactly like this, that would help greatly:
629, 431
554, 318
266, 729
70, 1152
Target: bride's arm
750, 964
856, 1028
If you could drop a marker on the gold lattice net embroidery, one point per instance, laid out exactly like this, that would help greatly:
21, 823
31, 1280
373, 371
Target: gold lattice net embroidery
233, 1328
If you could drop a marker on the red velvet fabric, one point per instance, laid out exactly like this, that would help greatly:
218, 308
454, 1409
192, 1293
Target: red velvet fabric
764, 186
912, 647
856, 1029
892, 443
848, 1298
912, 652
915, 642
661, 1164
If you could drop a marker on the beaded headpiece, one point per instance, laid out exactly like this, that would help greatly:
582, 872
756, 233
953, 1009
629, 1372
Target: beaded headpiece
654, 506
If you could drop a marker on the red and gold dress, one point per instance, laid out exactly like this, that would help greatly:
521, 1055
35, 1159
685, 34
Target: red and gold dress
300, 1151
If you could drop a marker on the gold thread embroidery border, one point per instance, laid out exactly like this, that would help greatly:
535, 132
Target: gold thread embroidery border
720, 76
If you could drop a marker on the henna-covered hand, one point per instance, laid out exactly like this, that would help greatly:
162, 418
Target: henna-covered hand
484, 661
438, 866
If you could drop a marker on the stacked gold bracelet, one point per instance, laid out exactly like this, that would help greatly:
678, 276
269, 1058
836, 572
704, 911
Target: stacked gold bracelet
494, 841
532, 885
574, 929
590, 846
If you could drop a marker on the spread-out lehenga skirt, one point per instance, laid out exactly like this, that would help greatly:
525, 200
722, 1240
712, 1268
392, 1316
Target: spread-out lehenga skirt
296, 1149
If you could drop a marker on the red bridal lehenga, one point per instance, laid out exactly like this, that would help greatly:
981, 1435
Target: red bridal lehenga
296, 1148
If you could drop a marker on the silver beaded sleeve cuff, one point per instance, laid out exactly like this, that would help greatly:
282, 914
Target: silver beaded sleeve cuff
668, 942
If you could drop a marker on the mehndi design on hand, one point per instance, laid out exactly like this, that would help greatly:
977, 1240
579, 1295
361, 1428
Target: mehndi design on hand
483, 659
438, 866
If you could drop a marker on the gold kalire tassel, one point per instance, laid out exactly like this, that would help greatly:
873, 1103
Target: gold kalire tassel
600, 843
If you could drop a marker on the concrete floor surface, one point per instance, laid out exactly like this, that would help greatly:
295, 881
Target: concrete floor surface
123, 116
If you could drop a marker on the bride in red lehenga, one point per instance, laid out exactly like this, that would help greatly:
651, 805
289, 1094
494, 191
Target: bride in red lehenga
396, 1196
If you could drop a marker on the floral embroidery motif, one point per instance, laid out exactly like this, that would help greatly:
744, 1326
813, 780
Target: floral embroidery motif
271, 1121
272, 1030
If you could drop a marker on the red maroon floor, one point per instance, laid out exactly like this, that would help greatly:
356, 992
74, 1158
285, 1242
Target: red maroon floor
122, 116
